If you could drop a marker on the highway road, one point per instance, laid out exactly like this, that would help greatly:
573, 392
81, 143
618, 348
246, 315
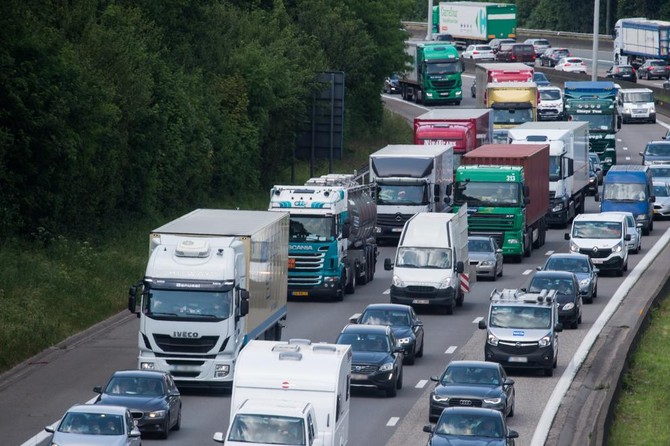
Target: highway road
37, 393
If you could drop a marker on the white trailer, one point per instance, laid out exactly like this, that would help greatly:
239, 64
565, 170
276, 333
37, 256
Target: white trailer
432, 265
293, 393
410, 179
568, 164
638, 39
215, 279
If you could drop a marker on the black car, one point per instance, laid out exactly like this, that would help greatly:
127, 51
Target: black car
473, 88
407, 328
654, 69
153, 393
377, 359
552, 55
592, 188
392, 84
581, 266
622, 72
597, 166
474, 384
567, 294
471, 426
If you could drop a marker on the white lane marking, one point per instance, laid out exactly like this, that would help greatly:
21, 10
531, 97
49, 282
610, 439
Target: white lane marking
548, 253
388, 291
625, 148
628, 158
528, 271
667, 126
450, 350
421, 384
393, 421
39, 438
618, 140
391, 98
477, 319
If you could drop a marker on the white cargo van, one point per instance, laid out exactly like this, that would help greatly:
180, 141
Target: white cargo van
431, 258
637, 104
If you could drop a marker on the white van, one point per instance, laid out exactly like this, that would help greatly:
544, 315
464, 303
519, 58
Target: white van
637, 104
603, 237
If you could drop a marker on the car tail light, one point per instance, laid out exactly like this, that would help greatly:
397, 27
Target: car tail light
475, 52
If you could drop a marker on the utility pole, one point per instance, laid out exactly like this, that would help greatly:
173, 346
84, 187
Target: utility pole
429, 34
596, 25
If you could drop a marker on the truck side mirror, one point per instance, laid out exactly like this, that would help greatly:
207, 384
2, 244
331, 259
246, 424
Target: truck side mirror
526, 191
346, 229
526, 200
388, 265
566, 236
596, 197
447, 200
436, 193
244, 303
132, 300
571, 167
618, 122
449, 190
652, 199
460, 267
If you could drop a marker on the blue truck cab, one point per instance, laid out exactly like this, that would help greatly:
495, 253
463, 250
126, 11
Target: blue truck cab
630, 188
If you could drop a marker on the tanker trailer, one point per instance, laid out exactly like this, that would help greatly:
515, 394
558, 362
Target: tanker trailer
332, 246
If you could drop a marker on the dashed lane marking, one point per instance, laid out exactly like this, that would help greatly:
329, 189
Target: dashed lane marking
392, 421
388, 291
548, 253
450, 350
528, 271
421, 384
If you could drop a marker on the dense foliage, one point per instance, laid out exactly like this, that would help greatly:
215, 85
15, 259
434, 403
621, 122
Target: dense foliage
144, 107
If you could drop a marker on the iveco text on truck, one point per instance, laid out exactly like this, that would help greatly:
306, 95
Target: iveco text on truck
435, 74
332, 245
215, 280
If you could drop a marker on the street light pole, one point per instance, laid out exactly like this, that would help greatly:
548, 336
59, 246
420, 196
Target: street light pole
429, 34
596, 24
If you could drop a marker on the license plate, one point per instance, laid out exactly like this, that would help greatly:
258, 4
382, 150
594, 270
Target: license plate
518, 359
358, 376
299, 293
396, 230
185, 368
597, 261
420, 301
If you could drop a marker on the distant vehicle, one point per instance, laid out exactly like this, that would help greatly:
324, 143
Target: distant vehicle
634, 229
540, 79
571, 65
495, 43
473, 89
552, 55
592, 189
581, 266
153, 393
472, 383
479, 52
622, 72
94, 425
376, 358
662, 203
407, 327
448, 38
516, 52
472, 426
540, 45
392, 84
486, 256
654, 69
656, 152
568, 295
595, 159
550, 106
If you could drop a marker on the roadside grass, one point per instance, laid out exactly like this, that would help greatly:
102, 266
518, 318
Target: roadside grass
641, 414
53, 286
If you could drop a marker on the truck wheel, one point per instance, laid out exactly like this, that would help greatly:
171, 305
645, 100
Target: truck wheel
460, 297
339, 293
449, 308
350, 288
363, 279
527, 247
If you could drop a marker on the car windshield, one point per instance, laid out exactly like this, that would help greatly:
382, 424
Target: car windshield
91, 424
563, 264
462, 374
129, 386
386, 317
267, 429
478, 245
402, 194
528, 317
470, 426
550, 95
660, 190
483, 48
411, 257
365, 342
625, 192
597, 229
657, 150
311, 228
487, 194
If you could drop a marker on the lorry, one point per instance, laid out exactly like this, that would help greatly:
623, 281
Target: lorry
486, 73
475, 22
431, 261
332, 245
568, 164
630, 188
638, 39
290, 393
435, 74
595, 103
513, 103
215, 280
466, 129
410, 179
507, 193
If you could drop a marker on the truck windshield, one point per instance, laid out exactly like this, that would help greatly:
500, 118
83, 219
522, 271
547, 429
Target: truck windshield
267, 429
531, 317
554, 168
597, 229
436, 258
402, 194
187, 304
512, 116
443, 67
624, 192
596, 122
310, 228
487, 194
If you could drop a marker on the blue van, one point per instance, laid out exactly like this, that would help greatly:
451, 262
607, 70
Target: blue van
630, 188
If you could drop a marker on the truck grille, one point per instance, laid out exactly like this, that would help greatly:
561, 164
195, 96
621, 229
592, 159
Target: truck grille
490, 222
468, 402
185, 345
517, 348
393, 220
305, 281
444, 84
312, 261
420, 289
600, 254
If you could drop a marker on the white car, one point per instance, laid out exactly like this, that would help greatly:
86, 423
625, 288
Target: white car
571, 64
660, 172
662, 203
479, 52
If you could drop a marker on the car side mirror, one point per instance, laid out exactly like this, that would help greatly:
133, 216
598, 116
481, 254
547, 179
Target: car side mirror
509, 382
398, 349
596, 271
512, 434
428, 429
652, 199
558, 327
435, 378
388, 265
418, 323
627, 237
135, 433
498, 251
641, 154
539, 268
354, 319
97, 389
482, 324
218, 437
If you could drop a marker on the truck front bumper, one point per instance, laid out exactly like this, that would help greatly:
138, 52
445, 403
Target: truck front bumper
423, 296
436, 96
188, 371
388, 232
327, 289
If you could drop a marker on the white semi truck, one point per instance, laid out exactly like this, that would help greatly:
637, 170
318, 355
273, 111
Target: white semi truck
215, 280
410, 179
568, 164
290, 393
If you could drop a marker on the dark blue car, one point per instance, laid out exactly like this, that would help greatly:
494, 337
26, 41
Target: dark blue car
474, 426
540, 79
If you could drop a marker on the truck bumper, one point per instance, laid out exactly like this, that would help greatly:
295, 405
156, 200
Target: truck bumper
423, 296
188, 371
326, 290
454, 95
388, 232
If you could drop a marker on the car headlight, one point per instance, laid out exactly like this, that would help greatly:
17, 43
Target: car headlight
584, 282
403, 341
386, 367
440, 398
569, 306
652, 109
617, 248
444, 284
492, 340
487, 263
545, 341
574, 247
157, 414
493, 401
397, 282
557, 208
641, 217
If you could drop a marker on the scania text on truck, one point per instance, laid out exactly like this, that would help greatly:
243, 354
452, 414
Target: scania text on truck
507, 193
215, 280
568, 164
332, 245
290, 393
431, 261
410, 179
595, 103
465, 129
435, 74
637, 40
475, 22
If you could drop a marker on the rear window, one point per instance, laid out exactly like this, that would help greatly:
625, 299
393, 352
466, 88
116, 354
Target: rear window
561, 53
483, 48
625, 69
523, 49
506, 47
658, 63
540, 42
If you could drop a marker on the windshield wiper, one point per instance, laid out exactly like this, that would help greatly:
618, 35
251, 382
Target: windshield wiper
153, 313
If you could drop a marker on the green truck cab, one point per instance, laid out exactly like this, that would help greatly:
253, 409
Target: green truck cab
595, 103
435, 76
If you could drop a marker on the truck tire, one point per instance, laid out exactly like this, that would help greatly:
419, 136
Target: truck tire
339, 293
527, 246
460, 297
363, 278
350, 288
449, 308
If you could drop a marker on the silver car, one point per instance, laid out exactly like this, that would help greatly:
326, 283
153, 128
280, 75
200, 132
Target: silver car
485, 256
634, 229
96, 425
662, 203
581, 266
